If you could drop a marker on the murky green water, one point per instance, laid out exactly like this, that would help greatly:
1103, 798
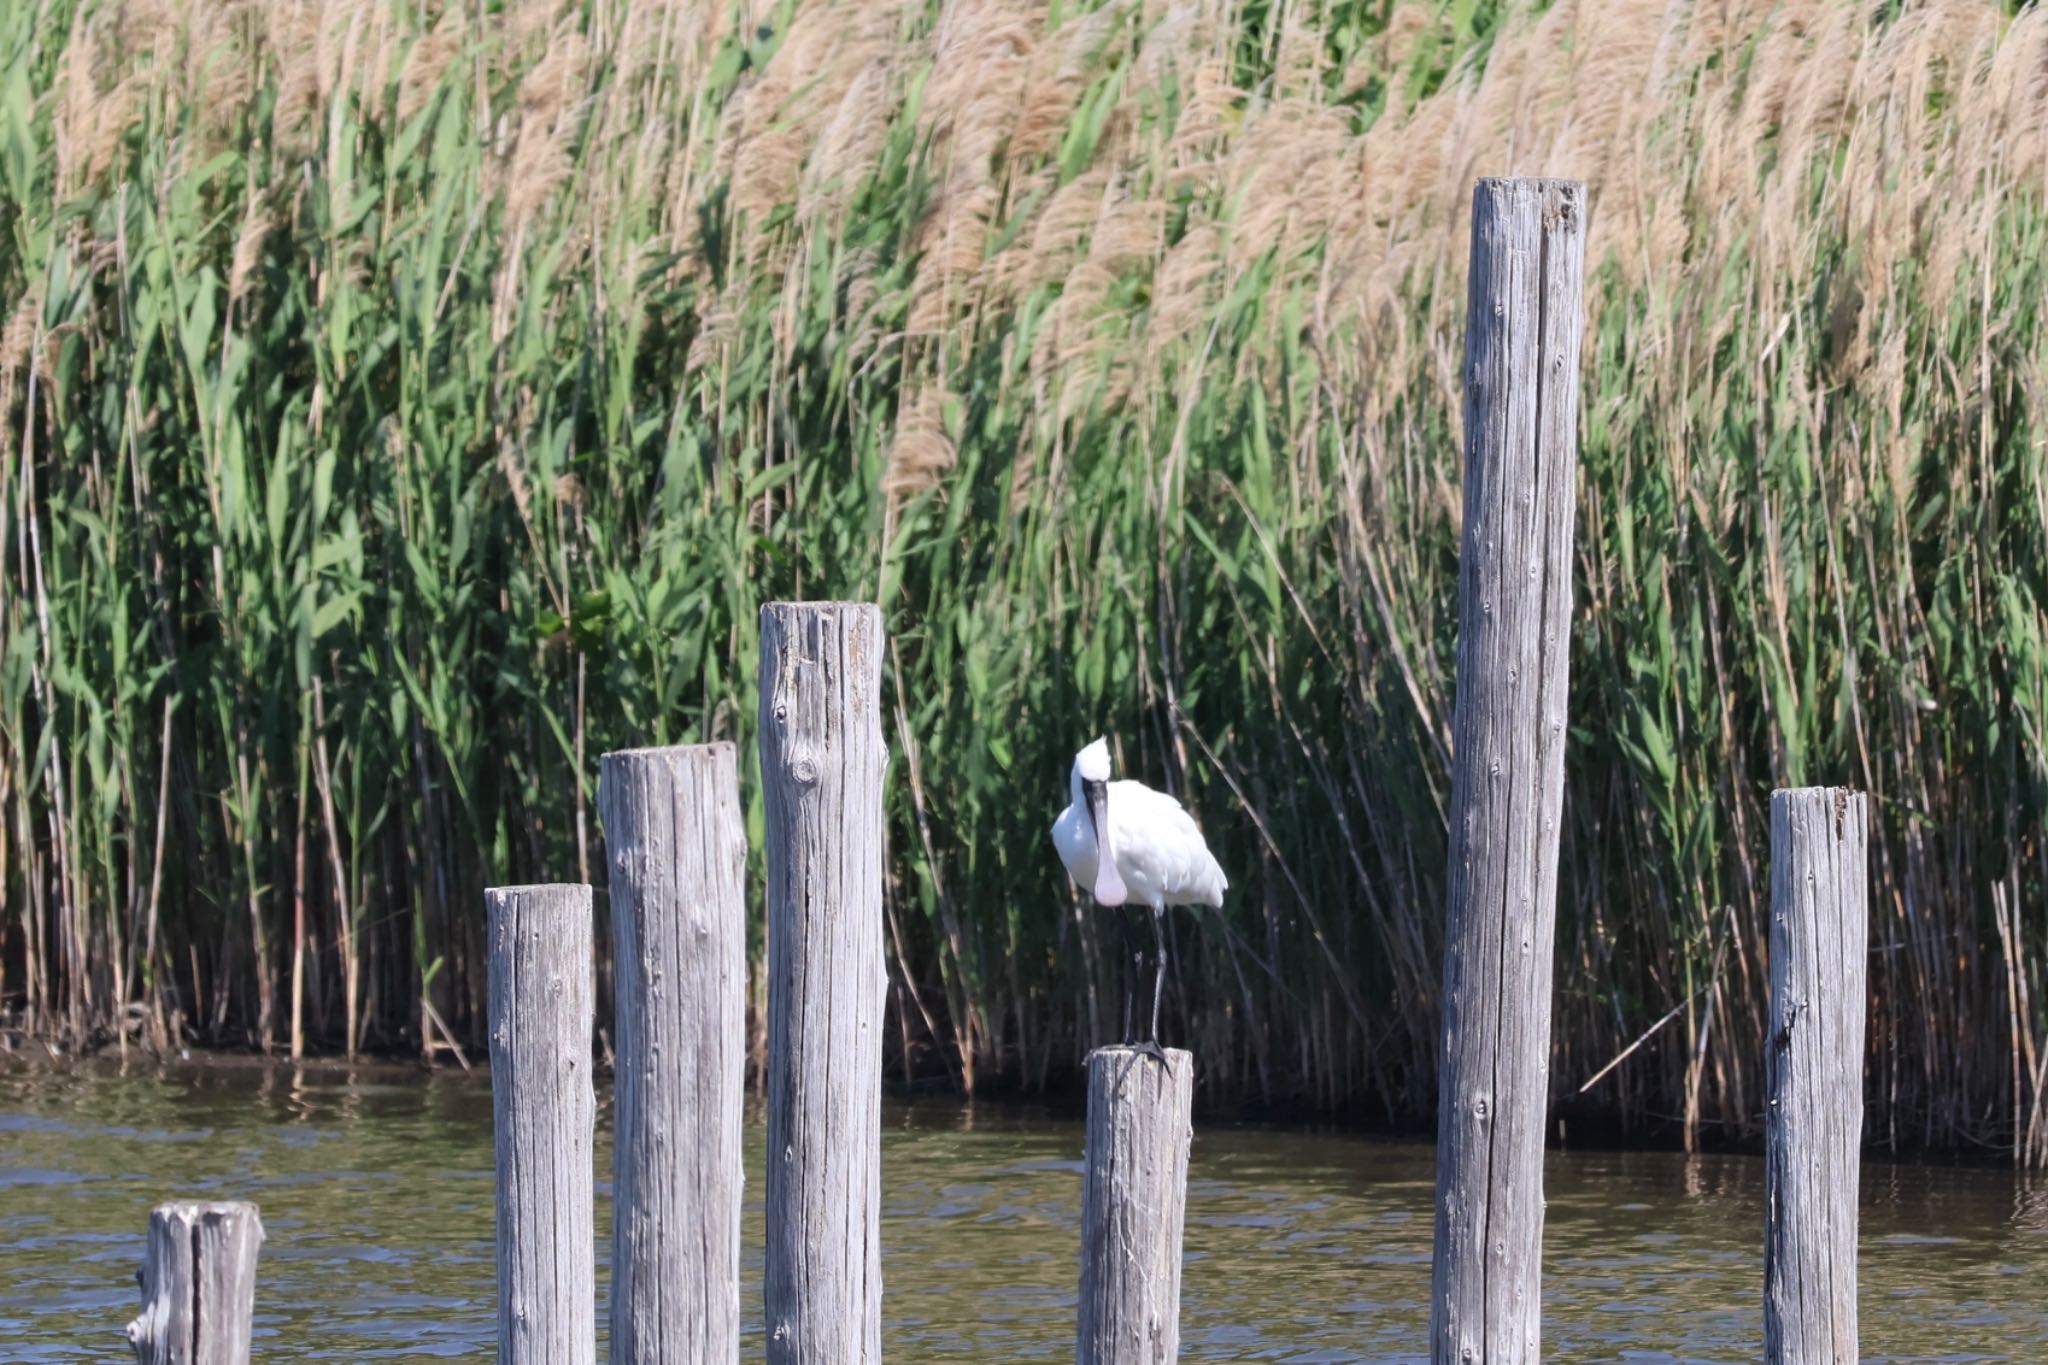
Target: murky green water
376, 1194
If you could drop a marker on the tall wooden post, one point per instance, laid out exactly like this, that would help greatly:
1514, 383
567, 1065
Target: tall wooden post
198, 1285
543, 1108
822, 762
678, 851
1813, 1130
1133, 1202
1522, 329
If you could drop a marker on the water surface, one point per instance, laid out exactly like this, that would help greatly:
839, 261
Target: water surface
376, 1195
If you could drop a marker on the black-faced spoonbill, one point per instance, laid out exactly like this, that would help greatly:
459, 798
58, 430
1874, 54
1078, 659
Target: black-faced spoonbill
1156, 855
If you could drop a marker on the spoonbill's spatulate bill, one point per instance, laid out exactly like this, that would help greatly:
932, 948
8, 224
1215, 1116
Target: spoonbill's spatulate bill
1126, 843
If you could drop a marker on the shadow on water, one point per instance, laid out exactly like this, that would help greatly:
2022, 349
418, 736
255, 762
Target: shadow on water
376, 1193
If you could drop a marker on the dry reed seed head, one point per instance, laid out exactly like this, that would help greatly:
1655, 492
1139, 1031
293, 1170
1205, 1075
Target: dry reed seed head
1056, 73
427, 62
511, 467
337, 36
1068, 355
1186, 285
1209, 102
953, 249
531, 26
922, 451
1283, 194
1042, 119
981, 58
849, 148
553, 103
74, 115
2015, 98
646, 32
1061, 231
971, 44
981, 61
104, 79
385, 46
257, 223
1298, 61
1128, 233
1175, 45
769, 128
18, 337
1410, 23
855, 287
1617, 74
292, 35
204, 61
716, 330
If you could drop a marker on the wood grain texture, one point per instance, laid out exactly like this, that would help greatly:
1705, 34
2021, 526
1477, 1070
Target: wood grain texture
678, 852
1523, 325
1133, 1203
198, 1285
822, 762
1813, 1130
543, 1108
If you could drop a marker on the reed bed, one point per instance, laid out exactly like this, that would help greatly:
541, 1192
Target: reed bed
402, 404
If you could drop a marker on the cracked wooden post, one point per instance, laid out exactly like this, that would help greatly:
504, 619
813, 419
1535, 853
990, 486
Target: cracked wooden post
678, 853
822, 763
543, 1110
198, 1285
1133, 1200
1523, 323
1813, 1130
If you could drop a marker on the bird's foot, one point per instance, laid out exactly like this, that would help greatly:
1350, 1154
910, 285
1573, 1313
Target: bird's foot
1151, 1048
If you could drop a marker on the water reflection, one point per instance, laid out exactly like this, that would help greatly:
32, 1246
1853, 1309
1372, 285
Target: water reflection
376, 1191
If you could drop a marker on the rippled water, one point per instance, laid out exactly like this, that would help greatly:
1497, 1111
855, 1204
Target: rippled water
376, 1195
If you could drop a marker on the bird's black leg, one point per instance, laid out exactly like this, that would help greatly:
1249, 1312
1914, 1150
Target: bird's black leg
1159, 976
1151, 1045
1123, 924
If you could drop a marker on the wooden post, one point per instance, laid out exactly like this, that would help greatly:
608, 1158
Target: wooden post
1132, 1204
821, 772
198, 1285
1522, 328
678, 850
1813, 1130
543, 1108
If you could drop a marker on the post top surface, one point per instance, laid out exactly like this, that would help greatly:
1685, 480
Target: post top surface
1531, 182
199, 1208
715, 747
794, 608
1119, 1051
538, 889
815, 604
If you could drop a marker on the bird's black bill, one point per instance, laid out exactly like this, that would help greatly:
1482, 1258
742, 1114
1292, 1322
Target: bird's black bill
1109, 886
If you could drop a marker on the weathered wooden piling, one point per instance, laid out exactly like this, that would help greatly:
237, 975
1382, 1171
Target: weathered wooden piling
543, 1110
198, 1285
1813, 1130
678, 851
822, 761
1522, 329
1133, 1200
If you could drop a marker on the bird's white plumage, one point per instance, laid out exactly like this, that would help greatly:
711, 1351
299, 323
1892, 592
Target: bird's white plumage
1158, 851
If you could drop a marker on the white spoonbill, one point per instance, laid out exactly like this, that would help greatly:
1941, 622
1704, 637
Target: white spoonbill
1123, 841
